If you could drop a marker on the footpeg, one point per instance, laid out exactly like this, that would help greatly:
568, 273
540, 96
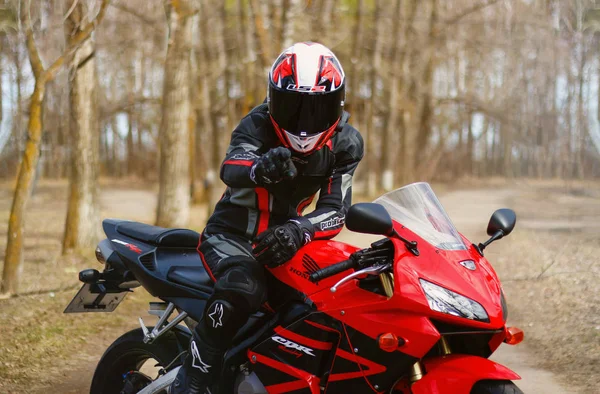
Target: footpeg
162, 325
144, 329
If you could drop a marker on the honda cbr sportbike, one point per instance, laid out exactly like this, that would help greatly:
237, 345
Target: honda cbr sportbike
420, 311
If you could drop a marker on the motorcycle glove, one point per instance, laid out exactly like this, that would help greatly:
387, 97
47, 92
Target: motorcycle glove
277, 245
273, 167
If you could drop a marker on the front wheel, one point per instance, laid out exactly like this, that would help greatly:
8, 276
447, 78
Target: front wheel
127, 365
495, 387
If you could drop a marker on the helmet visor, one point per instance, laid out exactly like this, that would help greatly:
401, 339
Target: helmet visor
305, 114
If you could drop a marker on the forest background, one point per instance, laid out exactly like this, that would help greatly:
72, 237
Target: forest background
144, 95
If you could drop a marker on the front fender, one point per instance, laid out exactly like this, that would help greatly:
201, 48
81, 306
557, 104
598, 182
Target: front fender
457, 373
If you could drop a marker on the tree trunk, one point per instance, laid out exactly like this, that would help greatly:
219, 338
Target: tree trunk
132, 157
114, 165
14, 247
141, 161
82, 227
276, 23
387, 177
371, 149
261, 32
29, 163
581, 118
285, 6
470, 145
1, 91
355, 56
426, 109
294, 12
18, 122
174, 197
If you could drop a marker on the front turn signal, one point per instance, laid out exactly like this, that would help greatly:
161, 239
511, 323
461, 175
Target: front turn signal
514, 336
389, 342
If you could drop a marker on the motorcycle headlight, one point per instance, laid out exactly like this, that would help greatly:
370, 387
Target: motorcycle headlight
443, 300
504, 306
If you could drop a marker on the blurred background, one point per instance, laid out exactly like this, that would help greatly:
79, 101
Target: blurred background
124, 108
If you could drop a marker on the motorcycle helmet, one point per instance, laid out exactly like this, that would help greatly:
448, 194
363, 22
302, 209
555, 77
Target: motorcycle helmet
306, 96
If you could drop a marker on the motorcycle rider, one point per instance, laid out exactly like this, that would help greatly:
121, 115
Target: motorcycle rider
281, 154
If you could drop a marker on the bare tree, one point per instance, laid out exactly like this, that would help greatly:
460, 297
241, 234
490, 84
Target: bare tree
82, 227
31, 155
442, 90
174, 193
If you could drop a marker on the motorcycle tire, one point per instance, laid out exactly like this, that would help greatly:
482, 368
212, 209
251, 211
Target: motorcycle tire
128, 353
495, 387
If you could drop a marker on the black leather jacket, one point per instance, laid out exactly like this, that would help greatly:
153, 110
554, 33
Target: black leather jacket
246, 209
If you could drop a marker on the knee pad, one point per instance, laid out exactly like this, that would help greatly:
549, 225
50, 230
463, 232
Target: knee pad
241, 280
239, 291
220, 322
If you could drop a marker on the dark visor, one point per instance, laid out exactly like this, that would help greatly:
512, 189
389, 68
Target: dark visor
308, 112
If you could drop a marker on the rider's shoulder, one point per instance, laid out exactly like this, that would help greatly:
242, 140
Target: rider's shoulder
348, 142
256, 122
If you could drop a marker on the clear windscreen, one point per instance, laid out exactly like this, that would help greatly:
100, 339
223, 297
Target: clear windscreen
416, 206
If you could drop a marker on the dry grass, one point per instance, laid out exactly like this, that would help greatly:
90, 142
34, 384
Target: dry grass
552, 278
39, 345
549, 269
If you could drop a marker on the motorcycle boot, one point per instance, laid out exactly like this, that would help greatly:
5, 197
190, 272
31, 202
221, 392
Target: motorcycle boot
238, 292
199, 370
210, 339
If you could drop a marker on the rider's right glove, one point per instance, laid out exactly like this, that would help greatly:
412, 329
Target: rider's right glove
278, 244
273, 167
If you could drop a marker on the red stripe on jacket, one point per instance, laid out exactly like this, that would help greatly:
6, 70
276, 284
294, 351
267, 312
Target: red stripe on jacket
263, 208
245, 163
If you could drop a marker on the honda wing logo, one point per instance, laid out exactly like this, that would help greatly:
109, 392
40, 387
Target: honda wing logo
293, 345
310, 266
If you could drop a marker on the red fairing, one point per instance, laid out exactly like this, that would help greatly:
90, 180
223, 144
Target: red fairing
374, 314
304, 379
458, 373
316, 255
365, 315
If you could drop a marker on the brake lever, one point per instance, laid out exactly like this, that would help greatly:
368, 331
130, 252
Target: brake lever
372, 270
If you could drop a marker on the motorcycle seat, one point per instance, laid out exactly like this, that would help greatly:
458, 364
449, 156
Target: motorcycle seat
195, 277
159, 236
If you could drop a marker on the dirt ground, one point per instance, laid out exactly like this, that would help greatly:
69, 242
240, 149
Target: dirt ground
550, 276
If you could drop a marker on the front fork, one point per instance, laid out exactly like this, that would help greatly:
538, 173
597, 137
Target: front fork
451, 373
417, 371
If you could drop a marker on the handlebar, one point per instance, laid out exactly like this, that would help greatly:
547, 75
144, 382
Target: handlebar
380, 251
333, 269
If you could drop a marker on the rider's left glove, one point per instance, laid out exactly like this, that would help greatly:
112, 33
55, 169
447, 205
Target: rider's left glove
277, 245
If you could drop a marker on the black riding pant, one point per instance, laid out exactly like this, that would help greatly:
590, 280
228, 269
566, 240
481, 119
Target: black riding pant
239, 291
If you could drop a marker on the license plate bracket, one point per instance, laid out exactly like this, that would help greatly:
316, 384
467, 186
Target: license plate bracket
96, 297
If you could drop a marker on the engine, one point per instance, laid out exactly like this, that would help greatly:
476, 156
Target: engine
247, 382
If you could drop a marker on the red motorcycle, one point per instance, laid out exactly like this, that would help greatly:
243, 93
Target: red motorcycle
420, 311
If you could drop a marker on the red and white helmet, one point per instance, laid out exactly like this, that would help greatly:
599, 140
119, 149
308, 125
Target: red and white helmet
306, 96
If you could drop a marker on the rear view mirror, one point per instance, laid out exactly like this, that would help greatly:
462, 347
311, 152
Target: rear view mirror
502, 220
369, 218
501, 224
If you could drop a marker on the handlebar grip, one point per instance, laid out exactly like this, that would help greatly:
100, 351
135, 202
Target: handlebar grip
331, 270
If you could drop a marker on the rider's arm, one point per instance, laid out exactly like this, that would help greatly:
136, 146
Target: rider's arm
334, 201
241, 154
